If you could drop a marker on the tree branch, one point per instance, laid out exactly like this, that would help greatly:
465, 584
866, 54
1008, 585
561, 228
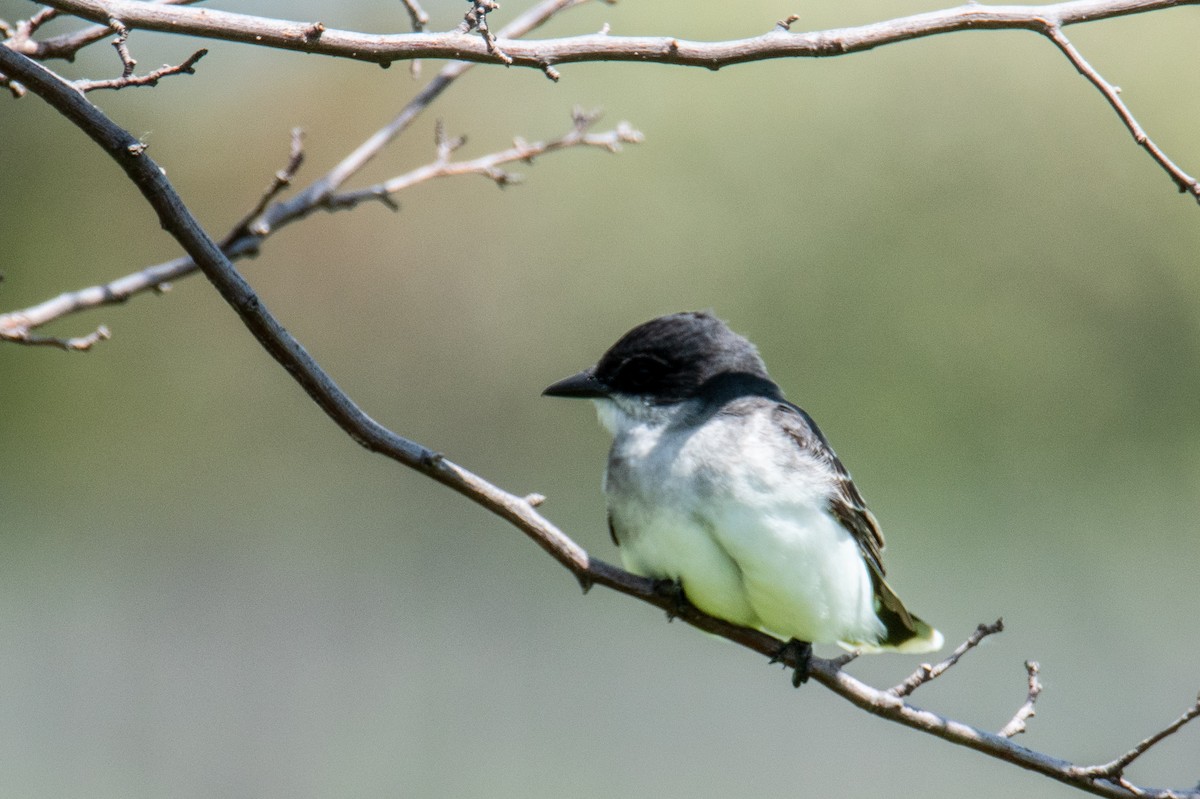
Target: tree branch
66, 45
927, 673
1016, 724
178, 221
1185, 182
23, 335
1116, 768
779, 42
459, 44
186, 67
489, 165
248, 234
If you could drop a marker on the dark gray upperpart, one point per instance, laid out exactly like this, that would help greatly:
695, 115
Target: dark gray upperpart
675, 358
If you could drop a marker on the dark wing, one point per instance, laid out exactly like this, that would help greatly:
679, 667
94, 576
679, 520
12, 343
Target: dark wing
849, 508
846, 504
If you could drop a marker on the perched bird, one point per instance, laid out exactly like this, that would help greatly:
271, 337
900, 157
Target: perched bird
718, 483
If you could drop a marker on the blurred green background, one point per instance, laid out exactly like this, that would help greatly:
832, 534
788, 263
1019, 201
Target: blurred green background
949, 251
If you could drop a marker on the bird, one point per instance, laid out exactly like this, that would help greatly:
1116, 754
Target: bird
719, 485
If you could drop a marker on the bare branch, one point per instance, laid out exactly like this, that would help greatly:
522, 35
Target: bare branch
248, 234
26, 28
419, 20
1016, 725
283, 179
19, 37
488, 165
460, 45
120, 43
476, 20
926, 672
546, 54
22, 335
1116, 768
149, 79
66, 45
416, 15
1185, 182
14, 88
179, 222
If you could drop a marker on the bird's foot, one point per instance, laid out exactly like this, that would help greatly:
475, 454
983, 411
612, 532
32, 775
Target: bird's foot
672, 590
797, 652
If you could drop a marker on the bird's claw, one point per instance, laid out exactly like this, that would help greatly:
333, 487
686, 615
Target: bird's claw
797, 652
672, 590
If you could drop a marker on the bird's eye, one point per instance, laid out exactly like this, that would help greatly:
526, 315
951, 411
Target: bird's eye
640, 372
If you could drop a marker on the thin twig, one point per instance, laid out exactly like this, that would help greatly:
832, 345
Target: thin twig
14, 88
283, 178
1185, 182
22, 335
67, 45
122, 47
175, 217
1016, 724
419, 19
187, 67
476, 20
927, 672
416, 15
1116, 768
488, 165
27, 28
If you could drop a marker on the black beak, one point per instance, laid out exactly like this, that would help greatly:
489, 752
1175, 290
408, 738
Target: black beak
581, 386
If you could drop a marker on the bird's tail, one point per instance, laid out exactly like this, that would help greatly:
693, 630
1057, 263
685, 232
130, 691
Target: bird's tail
903, 631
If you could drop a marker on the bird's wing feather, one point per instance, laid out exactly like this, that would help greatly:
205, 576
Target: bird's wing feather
849, 508
846, 504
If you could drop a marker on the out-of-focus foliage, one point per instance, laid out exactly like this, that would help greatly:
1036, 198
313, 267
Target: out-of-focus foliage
949, 252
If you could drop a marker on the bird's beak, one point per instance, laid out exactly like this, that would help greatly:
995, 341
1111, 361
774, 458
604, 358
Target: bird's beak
581, 386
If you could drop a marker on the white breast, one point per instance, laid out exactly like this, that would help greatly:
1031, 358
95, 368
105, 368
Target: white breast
737, 513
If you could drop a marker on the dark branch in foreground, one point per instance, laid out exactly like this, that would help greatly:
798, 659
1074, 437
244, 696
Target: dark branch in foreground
1104, 780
